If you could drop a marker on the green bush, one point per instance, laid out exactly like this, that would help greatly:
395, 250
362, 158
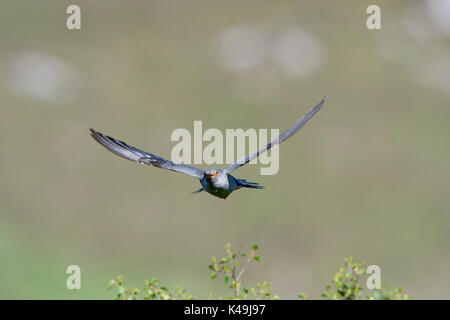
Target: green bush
346, 284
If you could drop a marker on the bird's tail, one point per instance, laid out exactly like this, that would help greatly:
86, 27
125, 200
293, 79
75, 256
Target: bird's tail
247, 184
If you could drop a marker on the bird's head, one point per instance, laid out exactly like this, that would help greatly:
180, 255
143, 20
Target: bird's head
211, 174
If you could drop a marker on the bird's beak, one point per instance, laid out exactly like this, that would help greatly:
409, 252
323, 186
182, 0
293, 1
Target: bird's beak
211, 175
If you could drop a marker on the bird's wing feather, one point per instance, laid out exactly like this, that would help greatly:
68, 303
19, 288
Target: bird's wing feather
126, 151
284, 136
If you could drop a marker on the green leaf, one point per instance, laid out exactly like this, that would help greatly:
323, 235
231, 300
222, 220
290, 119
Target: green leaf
303, 296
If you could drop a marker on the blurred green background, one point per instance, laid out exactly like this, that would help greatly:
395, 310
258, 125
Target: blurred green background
368, 177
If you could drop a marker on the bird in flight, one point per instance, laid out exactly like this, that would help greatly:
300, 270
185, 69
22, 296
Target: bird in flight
217, 182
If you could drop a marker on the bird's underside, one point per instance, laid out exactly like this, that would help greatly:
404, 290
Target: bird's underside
217, 182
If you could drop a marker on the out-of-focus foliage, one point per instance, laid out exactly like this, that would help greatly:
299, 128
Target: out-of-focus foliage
347, 285
232, 267
152, 291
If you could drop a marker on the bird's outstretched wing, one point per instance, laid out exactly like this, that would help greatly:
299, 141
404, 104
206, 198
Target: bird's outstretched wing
284, 136
126, 151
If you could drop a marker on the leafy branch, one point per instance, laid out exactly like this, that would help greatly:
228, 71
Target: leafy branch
232, 267
346, 283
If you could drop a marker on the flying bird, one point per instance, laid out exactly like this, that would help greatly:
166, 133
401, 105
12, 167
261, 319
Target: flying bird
218, 182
